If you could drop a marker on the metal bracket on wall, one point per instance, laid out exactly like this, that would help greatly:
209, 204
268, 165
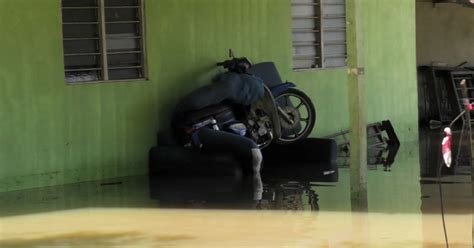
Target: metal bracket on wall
382, 146
356, 71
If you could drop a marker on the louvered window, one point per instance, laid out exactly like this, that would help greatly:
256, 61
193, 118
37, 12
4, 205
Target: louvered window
103, 40
319, 34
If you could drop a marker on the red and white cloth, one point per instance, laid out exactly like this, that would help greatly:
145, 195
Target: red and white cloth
447, 147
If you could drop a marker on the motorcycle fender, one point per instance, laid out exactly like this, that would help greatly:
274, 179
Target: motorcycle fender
277, 90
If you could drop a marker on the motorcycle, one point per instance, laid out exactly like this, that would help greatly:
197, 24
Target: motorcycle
280, 113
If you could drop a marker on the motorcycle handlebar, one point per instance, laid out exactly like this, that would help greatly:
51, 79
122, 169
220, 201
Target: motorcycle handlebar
233, 63
226, 63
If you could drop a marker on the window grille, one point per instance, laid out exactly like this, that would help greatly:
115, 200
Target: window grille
318, 34
103, 40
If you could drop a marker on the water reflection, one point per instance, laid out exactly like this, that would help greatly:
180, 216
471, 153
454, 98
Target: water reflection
431, 157
278, 188
290, 195
456, 187
456, 180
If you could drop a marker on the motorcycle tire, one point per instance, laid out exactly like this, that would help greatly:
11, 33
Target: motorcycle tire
291, 129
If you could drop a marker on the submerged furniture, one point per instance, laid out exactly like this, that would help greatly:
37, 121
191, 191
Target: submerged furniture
271, 192
313, 156
312, 159
186, 178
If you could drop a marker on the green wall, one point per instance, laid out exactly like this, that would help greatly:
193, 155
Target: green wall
52, 133
397, 191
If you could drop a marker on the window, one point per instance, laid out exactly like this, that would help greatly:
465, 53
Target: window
103, 40
319, 34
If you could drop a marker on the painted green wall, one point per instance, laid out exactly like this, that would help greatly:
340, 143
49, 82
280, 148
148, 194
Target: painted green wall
390, 50
52, 133
397, 191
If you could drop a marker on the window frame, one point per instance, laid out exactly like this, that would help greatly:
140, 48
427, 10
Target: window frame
103, 46
319, 28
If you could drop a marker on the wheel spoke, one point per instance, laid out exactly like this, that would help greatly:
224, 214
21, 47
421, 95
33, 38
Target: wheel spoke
299, 105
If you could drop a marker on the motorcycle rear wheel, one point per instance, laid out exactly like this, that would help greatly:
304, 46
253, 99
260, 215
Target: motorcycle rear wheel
297, 116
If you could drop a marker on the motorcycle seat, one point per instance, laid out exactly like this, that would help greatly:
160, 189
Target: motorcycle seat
206, 112
268, 72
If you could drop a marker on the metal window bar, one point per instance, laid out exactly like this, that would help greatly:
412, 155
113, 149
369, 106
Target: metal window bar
103, 52
141, 14
81, 7
307, 37
86, 38
122, 7
333, 31
103, 41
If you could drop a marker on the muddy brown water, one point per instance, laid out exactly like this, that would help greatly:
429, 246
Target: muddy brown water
403, 210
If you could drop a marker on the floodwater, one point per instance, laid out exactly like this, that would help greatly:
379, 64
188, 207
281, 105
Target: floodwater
270, 210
